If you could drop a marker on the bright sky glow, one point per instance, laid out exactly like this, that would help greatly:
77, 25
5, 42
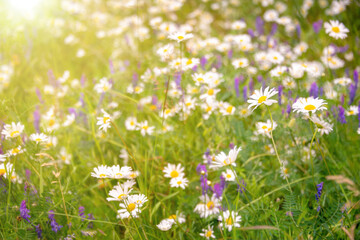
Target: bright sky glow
26, 6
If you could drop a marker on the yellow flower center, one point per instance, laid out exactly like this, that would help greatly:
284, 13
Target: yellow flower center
261, 99
229, 221
179, 182
137, 89
180, 37
228, 176
2, 172
51, 122
264, 127
105, 119
208, 234
131, 207
189, 62
15, 150
335, 29
14, 133
102, 175
210, 91
200, 80
241, 63
309, 107
38, 139
188, 104
172, 217
351, 112
121, 196
145, 127
210, 205
208, 109
229, 109
286, 171
174, 174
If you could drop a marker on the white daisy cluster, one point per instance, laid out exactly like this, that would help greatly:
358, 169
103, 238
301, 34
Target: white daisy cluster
177, 175
130, 205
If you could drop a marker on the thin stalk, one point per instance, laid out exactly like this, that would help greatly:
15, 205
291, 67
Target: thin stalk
276, 152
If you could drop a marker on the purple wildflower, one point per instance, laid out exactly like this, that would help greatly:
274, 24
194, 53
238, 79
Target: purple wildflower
135, 78
36, 115
280, 90
38, 94
219, 187
38, 231
356, 78
298, 31
251, 85
236, 86
288, 109
317, 26
341, 115
90, 217
82, 80
359, 113
352, 93
203, 62
231, 145
201, 169
230, 53
251, 33
273, 29
82, 212
314, 90
245, 92
204, 184
242, 186
54, 225
259, 25
319, 189
24, 212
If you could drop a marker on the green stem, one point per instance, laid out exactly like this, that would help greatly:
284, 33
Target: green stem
276, 152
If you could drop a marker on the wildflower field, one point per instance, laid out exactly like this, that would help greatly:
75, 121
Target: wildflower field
179, 119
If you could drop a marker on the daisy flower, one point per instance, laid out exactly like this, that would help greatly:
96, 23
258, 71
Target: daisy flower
322, 126
121, 191
15, 151
103, 86
262, 97
240, 63
227, 109
336, 29
38, 137
208, 206
139, 199
64, 156
177, 218
344, 81
131, 123
180, 36
179, 182
6, 168
129, 207
208, 232
310, 104
12, 130
229, 220
118, 173
101, 172
173, 171
284, 172
104, 122
165, 224
354, 110
222, 159
228, 175
264, 128
145, 128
